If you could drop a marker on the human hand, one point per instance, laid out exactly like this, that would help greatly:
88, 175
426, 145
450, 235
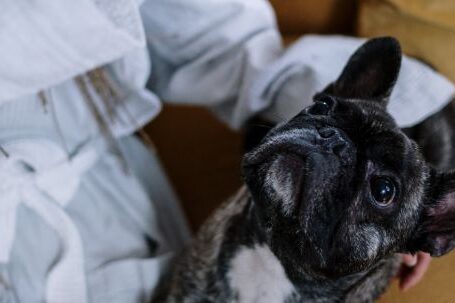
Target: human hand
413, 268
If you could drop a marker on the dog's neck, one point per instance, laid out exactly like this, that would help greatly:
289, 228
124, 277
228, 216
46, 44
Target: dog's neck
253, 266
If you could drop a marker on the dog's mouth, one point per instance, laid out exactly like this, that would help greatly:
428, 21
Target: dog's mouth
287, 144
280, 167
286, 176
286, 171
304, 143
291, 166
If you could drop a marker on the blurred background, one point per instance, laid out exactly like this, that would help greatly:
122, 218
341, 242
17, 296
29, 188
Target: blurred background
202, 156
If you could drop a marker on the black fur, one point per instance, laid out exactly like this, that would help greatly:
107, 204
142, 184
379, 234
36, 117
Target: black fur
309, 199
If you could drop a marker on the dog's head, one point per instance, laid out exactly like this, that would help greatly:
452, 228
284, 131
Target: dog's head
340, 186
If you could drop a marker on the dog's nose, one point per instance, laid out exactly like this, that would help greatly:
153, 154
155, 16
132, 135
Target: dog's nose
323, 105
327, 132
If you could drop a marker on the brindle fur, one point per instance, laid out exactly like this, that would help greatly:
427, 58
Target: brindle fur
320, 232
201, 271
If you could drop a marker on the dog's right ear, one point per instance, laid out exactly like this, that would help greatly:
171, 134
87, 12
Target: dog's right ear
371, 72
436, 232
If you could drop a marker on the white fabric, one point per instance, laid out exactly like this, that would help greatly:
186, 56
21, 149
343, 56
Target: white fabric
313, 62
214, 54
38, 174
45, 42
129, 222
211, 53
110, 236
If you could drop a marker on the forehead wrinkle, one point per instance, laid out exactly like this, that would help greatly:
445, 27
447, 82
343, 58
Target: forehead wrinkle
370, 112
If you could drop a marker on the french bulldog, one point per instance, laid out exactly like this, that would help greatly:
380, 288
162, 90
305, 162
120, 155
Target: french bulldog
331, 197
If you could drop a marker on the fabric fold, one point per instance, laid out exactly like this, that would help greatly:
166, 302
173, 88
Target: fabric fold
54, 45
37, 173
313, 62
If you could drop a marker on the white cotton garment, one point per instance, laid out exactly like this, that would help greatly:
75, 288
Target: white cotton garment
227, 55
76, 223
223, 54
313, 62
48, 43
45, 42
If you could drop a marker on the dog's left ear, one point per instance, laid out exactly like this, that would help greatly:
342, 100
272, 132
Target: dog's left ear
371, 72
436, 232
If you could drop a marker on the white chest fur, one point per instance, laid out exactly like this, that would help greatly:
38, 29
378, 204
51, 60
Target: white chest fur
256, 275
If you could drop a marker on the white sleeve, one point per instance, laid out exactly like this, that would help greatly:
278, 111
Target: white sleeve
313, 62
210, 52
227, 54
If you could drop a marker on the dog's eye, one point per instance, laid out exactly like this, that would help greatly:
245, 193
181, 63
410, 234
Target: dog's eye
383, 190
